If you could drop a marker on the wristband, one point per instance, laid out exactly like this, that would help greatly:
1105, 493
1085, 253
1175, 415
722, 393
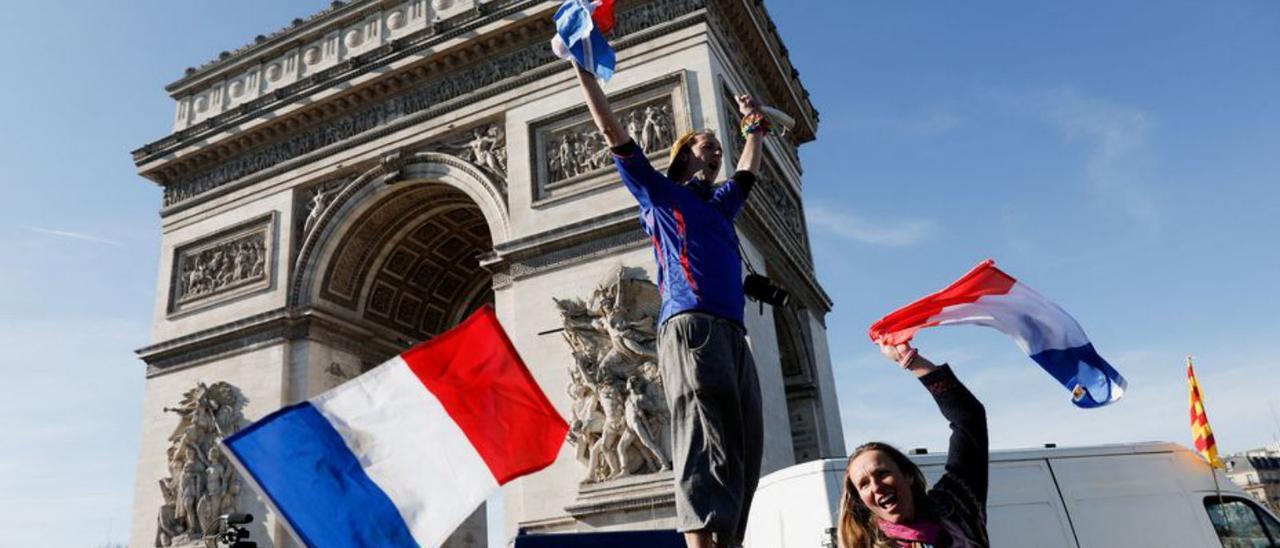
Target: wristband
756, 122
905, 362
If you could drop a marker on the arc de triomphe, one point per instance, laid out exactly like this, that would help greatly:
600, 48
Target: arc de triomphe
366, 177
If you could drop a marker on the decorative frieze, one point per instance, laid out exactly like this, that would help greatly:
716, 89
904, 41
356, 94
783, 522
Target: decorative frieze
571, 156
232, 263
370, 31
432, 95
773, 201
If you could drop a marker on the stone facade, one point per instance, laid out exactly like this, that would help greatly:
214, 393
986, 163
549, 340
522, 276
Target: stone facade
362, 180
1257, 472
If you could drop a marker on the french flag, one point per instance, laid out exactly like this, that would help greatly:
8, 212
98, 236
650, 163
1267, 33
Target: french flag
987, 296
402, 454
580, 35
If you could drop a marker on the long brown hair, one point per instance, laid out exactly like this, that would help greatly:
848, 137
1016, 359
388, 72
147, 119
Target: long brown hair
856, 524
680, 153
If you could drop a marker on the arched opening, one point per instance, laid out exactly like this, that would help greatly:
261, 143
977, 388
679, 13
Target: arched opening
388, 266
408, 266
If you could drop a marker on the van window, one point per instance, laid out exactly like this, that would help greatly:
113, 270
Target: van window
1273, 526
1239, 524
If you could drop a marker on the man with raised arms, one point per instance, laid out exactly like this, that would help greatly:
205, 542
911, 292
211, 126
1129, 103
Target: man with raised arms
707, 369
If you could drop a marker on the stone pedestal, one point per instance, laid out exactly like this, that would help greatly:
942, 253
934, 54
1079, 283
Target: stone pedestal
609, 504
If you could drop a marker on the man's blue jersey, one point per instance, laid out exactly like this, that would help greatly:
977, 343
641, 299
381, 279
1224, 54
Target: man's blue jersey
691, 227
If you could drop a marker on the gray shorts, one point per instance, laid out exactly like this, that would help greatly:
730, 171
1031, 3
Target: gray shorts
716, 426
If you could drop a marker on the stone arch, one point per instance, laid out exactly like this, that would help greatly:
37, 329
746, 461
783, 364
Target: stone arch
398, 247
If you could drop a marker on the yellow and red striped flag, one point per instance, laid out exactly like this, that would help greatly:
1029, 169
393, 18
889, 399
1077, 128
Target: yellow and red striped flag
1200, 431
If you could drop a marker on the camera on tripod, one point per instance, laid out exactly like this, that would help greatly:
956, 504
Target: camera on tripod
233, 534
760, 289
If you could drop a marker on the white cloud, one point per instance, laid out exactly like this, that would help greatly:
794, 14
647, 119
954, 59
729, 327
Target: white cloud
73, 235
1118, 141
848, 225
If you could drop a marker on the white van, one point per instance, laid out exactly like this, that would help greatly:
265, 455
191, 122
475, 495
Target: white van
1123, 496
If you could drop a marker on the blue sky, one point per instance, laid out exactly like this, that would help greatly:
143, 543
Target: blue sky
1120, 158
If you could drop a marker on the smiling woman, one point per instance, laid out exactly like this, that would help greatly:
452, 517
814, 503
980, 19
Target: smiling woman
885, 504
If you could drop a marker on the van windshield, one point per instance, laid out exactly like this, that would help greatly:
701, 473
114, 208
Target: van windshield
1239, 524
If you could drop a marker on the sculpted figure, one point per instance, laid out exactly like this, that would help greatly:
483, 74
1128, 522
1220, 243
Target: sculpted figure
167, 525
649, 134
606, 445
210, 505
634, 126
496, 150
635, 414
587, 420
316, 207
485, 147
259, 257
564, 157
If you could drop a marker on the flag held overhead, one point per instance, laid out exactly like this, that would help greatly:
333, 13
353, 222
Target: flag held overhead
402, 454
988, 296
580, 36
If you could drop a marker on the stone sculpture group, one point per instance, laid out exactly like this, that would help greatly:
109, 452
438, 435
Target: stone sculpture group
620, 419
202, 485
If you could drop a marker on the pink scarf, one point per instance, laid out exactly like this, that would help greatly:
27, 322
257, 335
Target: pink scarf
913, 533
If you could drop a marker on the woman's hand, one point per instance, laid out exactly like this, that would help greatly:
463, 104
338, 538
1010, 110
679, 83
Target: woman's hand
908, 358
747, 104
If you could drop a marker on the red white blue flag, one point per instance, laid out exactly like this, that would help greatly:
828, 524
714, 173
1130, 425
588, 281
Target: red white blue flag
987, 296
402, 454
581, 27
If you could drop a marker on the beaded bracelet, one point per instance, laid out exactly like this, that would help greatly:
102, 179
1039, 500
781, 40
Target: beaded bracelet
756, 122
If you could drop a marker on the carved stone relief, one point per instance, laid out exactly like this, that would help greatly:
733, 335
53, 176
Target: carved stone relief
232, 263
571, 155
581, 149
620, 423
484, 146
202, 485
781, 207
776, 202
732, 117
315, 201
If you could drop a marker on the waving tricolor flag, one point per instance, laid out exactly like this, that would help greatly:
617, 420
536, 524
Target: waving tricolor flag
987, 296
580, 35
402, 454
1201, 434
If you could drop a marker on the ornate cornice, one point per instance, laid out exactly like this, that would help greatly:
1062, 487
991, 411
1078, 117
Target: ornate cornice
314, 26
260, 330
394, 101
